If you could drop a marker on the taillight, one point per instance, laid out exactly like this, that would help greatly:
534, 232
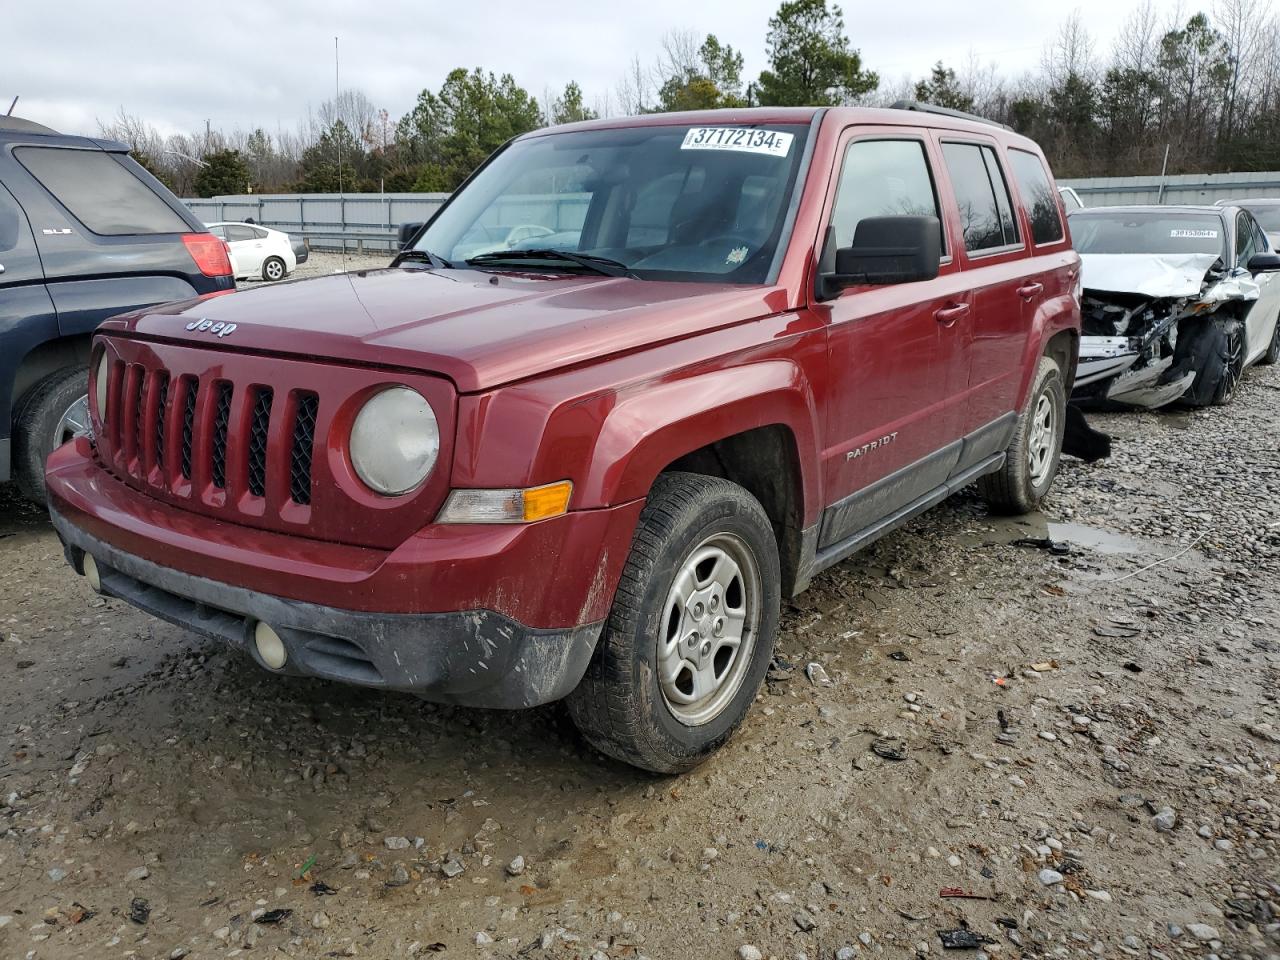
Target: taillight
209, 253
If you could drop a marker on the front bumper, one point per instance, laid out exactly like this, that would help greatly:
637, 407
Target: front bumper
476, 658
493, 616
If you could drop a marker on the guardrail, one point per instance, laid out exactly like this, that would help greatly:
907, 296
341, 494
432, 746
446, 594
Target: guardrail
369, 221
363, 221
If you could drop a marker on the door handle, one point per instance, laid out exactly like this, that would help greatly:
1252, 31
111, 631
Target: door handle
1031, 290
949, 315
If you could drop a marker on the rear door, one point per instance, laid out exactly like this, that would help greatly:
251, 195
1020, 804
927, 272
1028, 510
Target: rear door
897, 353
993, 255
246, 247
27, 315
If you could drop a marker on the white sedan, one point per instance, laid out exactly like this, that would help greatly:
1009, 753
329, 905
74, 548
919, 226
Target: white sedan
257, 252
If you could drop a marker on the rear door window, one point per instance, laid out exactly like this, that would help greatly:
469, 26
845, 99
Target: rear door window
1038, 195
986, 211
100, 192
883, 178
236, 232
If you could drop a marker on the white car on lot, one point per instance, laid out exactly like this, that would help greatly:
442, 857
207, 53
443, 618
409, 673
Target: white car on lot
1177, 302
257, 252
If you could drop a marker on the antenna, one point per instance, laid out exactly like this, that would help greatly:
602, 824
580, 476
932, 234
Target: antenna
11, 106
337, 94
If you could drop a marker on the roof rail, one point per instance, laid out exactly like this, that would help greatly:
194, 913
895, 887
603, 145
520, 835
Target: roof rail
946, 112
23, 126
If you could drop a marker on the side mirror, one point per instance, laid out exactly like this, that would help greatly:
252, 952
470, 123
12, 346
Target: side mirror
1264, 263
407, 231
888, 250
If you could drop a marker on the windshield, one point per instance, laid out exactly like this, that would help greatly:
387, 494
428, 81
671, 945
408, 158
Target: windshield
1268, 217
665, 202
1158, 232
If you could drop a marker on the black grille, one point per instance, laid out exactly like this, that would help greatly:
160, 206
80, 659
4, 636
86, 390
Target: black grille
221, 420
140, 399
304, 438
258, 442
188, 425
162, 404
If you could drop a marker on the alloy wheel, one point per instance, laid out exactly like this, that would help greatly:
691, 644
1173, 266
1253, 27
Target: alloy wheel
74, 422
708, 629
1042, 439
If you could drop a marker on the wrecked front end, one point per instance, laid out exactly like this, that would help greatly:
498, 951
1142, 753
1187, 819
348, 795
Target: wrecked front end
1147, 324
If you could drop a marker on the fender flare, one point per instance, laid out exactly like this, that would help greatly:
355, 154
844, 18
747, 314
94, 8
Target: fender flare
650, 428
1052, 317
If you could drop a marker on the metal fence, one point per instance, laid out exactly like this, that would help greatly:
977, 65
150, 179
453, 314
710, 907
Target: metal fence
1187, 188
363, 221
326, 220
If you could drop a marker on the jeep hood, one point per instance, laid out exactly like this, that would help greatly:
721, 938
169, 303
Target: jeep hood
478, 328
1163, 275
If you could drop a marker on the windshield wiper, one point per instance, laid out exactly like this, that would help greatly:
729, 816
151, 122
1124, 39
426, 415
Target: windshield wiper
424, 256
601, 265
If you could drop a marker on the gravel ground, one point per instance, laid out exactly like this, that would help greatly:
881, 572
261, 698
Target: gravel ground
1041, 754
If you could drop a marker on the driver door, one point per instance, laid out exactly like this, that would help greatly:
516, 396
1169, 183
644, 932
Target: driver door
1261, 322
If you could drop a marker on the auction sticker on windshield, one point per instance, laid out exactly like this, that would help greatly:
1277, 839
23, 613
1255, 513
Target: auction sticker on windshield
743, 139
1194, 234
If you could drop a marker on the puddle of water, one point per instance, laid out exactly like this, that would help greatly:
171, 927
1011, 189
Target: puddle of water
1009, 529
1102, 541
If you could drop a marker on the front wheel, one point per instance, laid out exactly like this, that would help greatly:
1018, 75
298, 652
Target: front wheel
691, 631
273, 268
1217, 351
1032, 457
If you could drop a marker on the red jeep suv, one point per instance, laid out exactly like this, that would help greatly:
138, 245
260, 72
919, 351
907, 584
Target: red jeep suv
637, 380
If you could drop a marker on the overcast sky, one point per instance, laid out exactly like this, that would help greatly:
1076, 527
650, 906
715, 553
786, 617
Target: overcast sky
264, 63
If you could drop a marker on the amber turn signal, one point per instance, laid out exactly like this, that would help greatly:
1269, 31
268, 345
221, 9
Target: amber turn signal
507, 506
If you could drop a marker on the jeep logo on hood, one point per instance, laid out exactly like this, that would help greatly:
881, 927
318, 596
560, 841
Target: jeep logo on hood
218, 329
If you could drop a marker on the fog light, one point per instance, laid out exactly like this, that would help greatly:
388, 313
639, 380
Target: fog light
91, 573
270, 646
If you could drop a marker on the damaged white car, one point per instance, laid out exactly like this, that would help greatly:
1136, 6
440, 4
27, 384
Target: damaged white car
1177, 302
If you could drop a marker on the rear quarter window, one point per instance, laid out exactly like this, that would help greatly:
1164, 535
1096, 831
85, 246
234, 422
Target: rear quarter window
1037, 195
100, 192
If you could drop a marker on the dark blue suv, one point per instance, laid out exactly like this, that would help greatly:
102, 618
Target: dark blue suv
85, 233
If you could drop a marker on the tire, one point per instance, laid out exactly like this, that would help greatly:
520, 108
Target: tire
623, 706
1022, 482
41, 424
1217, 350
273, 268
1273, 349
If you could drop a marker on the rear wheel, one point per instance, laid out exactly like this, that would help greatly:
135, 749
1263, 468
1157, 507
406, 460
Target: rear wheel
691, 631
1035, 449
52, 412
273, 268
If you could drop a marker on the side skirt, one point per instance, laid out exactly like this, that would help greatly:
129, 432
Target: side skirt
814, 560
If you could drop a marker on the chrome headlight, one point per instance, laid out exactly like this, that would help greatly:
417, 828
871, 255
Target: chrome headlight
395, 441
100, 387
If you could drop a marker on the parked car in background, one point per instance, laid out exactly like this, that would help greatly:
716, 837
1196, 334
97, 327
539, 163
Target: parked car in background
1178, 301
257, 252
1266, 210
1070, 199
593, 470
85, 233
